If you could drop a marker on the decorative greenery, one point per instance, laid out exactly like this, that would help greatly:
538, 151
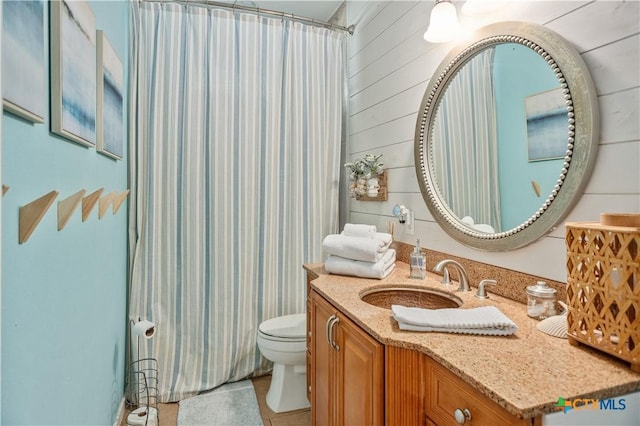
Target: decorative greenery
354, 169
366, 167
372, 166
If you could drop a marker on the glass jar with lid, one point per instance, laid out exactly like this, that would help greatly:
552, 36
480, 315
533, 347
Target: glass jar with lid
541, 300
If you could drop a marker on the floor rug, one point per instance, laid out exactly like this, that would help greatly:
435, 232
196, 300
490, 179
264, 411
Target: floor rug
229, 404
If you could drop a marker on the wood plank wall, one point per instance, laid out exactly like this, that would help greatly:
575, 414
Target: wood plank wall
390, 66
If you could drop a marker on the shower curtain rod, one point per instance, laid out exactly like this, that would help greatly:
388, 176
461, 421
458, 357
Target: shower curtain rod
350, 29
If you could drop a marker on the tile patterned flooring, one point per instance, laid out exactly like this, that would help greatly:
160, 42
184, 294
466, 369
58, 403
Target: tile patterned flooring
168, 413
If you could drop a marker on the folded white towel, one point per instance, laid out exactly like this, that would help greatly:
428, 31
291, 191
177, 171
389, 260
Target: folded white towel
380, 269
483, 320
382, 236
366, 249
359, 230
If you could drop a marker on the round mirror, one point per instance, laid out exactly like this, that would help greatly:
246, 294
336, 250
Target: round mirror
506, 136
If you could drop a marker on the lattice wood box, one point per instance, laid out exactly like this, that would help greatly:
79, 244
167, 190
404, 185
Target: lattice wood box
603, 288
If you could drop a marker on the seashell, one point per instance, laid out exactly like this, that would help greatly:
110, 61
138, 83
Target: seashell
555, 326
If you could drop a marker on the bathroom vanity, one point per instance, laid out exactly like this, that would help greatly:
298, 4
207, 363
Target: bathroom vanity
361, 369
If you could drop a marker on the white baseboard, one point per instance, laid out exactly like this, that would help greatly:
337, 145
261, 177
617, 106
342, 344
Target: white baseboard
120, 415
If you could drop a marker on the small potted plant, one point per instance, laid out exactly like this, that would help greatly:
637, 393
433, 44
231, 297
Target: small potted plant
354, 173
372, 169
363, 175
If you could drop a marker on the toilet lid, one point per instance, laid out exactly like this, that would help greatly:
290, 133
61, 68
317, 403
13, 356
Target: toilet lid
287, 326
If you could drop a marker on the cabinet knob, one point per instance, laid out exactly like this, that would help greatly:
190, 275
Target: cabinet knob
462, 415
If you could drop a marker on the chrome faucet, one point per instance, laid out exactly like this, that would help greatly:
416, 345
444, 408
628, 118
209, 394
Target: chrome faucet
462, 274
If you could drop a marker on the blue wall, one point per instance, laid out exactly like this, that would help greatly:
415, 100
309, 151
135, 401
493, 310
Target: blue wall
514, 80
63, 292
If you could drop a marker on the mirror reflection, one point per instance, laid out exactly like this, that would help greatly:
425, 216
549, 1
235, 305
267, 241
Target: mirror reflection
506, 136
499, 138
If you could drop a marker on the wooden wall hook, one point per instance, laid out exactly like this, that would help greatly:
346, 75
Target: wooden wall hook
5, 188
118, 200
67, 206
536, 188
89, 202
105, 202
32, 213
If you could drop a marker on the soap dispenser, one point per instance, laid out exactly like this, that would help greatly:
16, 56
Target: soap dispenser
418, 263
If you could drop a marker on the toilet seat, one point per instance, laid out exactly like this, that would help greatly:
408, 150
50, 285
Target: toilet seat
285, 328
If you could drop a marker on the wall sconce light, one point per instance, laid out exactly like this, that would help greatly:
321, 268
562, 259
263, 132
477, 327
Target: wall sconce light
443, 25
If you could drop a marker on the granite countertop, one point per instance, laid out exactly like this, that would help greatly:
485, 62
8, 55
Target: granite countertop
525, 373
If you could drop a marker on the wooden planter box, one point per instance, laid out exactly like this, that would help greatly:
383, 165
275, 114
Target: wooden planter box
603, 288
382, 192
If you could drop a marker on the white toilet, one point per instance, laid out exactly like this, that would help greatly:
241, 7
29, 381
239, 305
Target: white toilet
283, 341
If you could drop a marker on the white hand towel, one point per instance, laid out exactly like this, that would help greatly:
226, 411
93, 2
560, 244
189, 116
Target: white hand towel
366, 249
483, 320
359, 230
380, 269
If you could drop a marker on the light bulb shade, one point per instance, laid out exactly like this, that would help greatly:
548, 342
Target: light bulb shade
443, 25
144, 329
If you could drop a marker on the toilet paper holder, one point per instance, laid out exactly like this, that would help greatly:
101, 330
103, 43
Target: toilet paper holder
142, 377
143, 328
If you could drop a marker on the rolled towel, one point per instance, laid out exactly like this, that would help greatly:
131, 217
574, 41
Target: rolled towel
358, 268
359, 230
366, 249
487, 320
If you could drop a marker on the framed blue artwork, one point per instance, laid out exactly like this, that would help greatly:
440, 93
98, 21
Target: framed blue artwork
23, 61
110, 97
547, 129
73, 71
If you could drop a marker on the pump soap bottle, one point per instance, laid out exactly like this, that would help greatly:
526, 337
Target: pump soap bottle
418, 263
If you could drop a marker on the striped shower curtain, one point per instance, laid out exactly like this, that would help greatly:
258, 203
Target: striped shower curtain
465, 135
235, 132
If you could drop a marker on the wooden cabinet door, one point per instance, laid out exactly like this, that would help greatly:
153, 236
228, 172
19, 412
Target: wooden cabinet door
360, 375
347, 381
322, 364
